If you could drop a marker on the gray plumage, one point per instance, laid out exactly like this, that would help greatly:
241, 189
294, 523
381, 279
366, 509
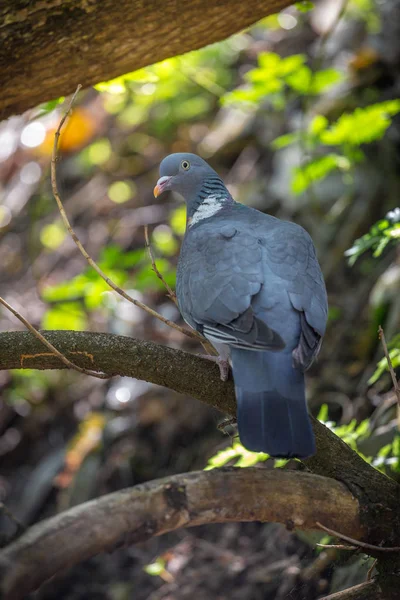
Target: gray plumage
251, 283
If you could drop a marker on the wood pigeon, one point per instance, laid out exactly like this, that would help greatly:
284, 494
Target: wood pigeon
252, 285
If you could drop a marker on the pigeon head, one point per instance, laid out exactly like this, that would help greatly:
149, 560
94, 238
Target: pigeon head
183, 173
192, 178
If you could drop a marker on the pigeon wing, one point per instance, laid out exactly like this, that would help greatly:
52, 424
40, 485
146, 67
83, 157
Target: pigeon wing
220, 270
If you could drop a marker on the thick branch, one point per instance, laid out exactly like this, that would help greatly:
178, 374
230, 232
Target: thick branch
195, 376
136, 514
95, 41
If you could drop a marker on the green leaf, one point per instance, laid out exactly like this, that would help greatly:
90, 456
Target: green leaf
280, 462
323, 413
284, 140
222, 458
316, 170
323, 80
378, 237
300, 80
317, 125
48, 107
239, 454
291, 64
383, 366
304, 6
65, 316
363, 126
156, 568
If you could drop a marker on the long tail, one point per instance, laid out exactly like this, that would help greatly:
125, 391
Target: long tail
272, 411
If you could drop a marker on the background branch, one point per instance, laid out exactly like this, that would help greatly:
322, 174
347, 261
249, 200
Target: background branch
137, 514
369, 590
96, 41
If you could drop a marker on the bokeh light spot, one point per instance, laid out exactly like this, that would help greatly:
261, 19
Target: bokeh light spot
5, 216
287, 21
99, 152
8, 142
30, 173
164, 240
120, 192
33, 134
178, 220
53, 235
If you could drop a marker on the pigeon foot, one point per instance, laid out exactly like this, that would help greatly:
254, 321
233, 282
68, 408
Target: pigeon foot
222, 364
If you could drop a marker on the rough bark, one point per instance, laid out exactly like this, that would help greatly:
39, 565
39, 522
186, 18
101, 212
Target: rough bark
150, 509
48, 47
377, 495
197, 377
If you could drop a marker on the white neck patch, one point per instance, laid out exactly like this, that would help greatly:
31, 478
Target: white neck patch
209, 207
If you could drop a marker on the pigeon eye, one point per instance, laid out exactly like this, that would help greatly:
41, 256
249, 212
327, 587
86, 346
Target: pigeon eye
185, 164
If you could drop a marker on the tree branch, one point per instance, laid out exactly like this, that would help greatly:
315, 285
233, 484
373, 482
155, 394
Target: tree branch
195, 376
139, 513
369, 590
96, 41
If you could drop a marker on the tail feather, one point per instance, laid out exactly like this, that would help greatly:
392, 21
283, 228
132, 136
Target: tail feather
272, 410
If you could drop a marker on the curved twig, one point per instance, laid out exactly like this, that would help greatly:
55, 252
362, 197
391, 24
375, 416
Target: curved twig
170, 292
358, 543
137, 514
190, 333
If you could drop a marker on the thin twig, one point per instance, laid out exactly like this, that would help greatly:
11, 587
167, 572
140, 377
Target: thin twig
150, 311
390, 365
337, 546
170, 292
357, 542
54, 350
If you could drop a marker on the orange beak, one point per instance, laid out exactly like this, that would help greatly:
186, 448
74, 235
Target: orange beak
162, 185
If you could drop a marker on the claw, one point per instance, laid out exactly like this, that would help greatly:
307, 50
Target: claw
222, 364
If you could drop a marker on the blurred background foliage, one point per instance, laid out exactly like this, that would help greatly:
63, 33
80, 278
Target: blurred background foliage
300, 116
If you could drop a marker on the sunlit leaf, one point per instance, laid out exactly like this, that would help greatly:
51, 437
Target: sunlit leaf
65, 316
304, 6
323, 80
155, 568
323, 413
285, 140
378, 237
317, 125
362, 126
383, 366
317, 170
300, 80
